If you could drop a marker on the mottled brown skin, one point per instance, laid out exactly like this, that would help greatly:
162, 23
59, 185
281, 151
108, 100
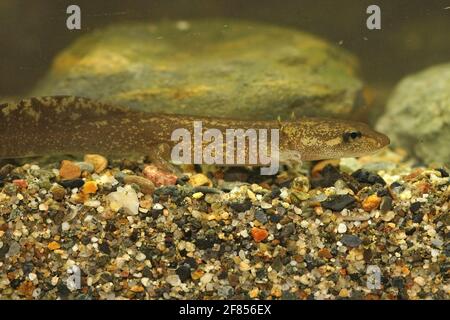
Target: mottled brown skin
72, 125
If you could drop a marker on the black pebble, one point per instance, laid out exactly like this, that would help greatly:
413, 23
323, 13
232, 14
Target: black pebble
15, 283
75, 183
241, 206
398, 282
204, 243
275, 193
27, 267
410, 232
415, 207
63, 291
155, 213
328, 177
417, 218
104, 247
382, 193
444, 173
184, 272
110, 227
191, 262
223, 275
350, 240
275, 218
338, 202
85, 240
182, 180
365, 176
396, 185
134, 236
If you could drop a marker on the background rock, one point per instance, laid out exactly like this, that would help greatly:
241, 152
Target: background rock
214, 67
418, 114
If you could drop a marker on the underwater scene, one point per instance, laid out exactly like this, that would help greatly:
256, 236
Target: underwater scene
224, 150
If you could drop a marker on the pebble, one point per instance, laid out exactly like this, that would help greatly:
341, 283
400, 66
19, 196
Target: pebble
415, 207
386, 204
327, 177
388, 216
69, 170
339, 202
54, 245
184, 272
351, 240
420, 281
99, 162
261, 216
85, 166
371, 202
140, 256
199, 179
159, 177
438, 243
342, 228
241, 206
173, 280
364, 176
65, 226
58, 192
145, 185
125, 197
259, 234
90, 187
197, 195
263, 246
72, 184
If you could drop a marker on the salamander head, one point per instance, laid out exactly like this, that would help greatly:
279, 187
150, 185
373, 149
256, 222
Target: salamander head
319, 139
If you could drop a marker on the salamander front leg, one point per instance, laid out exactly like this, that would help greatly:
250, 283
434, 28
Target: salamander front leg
160, 155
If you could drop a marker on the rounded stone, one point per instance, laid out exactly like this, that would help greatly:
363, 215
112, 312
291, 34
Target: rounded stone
417, 116
219, 68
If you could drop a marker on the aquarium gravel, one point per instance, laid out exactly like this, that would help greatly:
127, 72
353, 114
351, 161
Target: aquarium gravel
136, 232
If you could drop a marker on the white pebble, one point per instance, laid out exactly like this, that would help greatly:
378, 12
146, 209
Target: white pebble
127, 198
140, 256
65, 226
342, 228
173, 280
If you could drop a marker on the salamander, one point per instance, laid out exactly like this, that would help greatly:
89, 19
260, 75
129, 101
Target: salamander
74, 125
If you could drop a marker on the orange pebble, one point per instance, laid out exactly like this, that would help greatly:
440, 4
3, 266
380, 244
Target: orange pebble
90, 187
259, 234
69, 170
21, 183
371, 202
53, 245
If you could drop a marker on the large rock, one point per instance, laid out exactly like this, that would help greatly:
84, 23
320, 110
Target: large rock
418, 114
218, 68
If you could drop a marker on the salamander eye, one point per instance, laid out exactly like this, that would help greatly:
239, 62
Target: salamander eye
351, 135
